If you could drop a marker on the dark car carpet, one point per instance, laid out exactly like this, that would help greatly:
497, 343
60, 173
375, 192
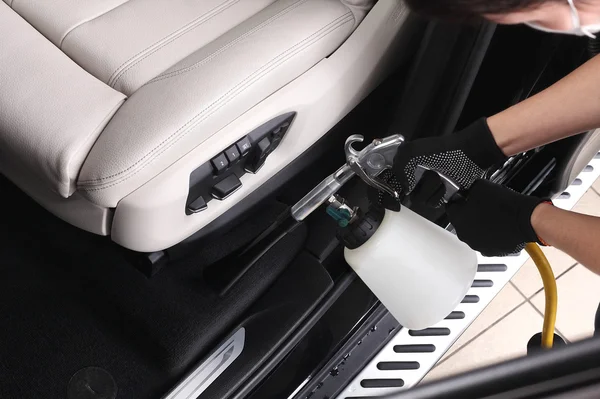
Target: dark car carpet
69, 300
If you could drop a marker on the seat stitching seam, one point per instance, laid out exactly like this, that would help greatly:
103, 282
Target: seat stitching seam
268, 67
173, 36
219, 99
62, 40
230, 44
96, 131
193, 122
199, 20
149, 161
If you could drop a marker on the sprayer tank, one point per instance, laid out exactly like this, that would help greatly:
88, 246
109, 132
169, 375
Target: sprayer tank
418, 270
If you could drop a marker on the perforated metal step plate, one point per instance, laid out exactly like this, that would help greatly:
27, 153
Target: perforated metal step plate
409, 356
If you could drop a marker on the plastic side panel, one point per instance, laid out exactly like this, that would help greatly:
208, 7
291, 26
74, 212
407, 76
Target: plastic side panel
269, 323
153, 217
203, 376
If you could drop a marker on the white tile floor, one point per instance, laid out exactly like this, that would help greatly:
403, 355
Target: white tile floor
504, 327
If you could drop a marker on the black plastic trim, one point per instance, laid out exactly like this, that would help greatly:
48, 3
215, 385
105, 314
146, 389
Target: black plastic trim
377, 328
204, 177
295, 337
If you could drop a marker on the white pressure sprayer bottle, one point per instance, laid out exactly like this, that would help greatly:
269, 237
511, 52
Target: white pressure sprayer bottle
417, 269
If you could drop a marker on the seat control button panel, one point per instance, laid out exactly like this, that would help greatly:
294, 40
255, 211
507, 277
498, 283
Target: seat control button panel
198, 205
218, 178
226, 187
232, 154
219, 163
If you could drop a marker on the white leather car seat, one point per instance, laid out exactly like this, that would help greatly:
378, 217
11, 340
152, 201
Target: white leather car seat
108, 109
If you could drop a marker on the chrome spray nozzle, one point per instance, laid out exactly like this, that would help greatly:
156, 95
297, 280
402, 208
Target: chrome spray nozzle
373, 159
367, 163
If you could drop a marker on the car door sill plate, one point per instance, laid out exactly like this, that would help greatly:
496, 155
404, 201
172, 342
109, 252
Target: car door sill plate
211, 368
492, 275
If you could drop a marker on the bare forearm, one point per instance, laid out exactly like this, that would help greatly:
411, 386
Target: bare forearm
573, 233
569, 107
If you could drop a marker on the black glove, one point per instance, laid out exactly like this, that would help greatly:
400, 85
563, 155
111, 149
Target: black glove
428, 192
379, 198
494, 219
463, 156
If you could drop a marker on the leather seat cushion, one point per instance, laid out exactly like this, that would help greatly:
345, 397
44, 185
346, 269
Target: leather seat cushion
190, 68
51, 110
125, 43
179, 109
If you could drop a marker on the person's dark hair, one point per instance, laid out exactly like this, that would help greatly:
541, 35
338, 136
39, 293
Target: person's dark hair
469, 9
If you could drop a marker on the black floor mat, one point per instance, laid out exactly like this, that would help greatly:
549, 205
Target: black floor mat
69, 300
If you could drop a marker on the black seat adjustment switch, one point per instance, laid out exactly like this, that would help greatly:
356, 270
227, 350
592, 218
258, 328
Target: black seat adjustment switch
220, 164
217, 179
259, 155
198, 205
244, 145
232, 154
226, 187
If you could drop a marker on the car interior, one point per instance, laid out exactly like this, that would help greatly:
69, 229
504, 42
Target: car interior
149, 131
150, 152
127, 127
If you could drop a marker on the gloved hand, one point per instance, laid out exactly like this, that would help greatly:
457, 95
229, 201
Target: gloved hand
493, 219
463, 156
379, 198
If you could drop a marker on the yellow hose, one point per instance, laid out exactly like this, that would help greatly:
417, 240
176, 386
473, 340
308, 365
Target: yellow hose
550, 291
